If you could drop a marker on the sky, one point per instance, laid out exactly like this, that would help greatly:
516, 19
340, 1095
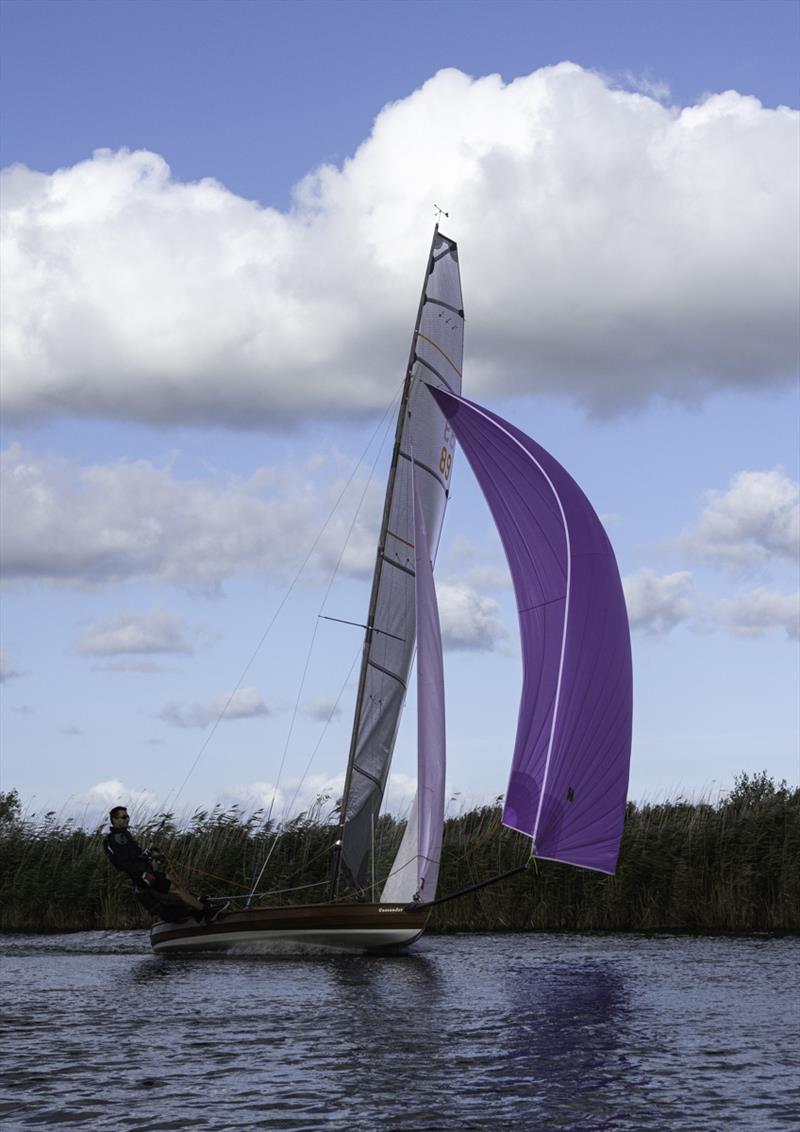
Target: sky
215, 222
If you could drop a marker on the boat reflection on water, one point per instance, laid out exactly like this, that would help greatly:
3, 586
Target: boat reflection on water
533, 1039
564, 1036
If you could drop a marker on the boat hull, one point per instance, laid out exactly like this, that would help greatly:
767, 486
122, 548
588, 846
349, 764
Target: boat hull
339, 927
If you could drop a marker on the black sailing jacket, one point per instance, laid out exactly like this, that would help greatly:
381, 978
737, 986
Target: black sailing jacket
125, 855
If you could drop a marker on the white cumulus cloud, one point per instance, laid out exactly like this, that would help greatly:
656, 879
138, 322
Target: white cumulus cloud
130, 664
658, 602
155, 632
245, 703
756, 518
315, 795
614, 248
468, 620
322, 710
127, 520
756, 612
91, 806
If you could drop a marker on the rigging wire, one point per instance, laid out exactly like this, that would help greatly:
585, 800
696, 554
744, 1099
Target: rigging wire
277, 834
469, 850
329, 587
309, 653
173, 800
319, 741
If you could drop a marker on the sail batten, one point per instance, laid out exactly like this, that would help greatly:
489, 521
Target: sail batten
398, 566
426, 468
436, 373
436, 346
392, 676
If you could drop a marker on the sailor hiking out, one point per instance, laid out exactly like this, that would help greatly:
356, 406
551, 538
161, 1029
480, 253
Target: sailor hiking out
154, 890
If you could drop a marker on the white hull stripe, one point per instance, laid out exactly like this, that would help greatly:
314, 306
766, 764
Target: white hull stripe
348, 938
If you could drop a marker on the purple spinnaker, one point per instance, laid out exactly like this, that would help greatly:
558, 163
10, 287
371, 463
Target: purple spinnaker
569, 774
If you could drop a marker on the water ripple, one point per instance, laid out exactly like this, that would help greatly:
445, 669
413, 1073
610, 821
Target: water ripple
463, 1033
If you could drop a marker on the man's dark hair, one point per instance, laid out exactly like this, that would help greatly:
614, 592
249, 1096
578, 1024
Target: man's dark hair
117, 810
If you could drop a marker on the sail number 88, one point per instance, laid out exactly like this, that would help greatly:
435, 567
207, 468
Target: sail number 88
445, 462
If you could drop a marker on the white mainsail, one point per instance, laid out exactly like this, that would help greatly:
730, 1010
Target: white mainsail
435, 359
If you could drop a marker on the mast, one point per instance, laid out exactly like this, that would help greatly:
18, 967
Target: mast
424, 443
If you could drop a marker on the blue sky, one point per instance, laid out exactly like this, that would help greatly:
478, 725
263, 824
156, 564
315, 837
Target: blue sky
206, 322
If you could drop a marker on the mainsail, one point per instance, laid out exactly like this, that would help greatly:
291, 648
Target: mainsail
415, 871
569, 775
435, 359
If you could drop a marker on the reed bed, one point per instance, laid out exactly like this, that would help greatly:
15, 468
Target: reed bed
691, 867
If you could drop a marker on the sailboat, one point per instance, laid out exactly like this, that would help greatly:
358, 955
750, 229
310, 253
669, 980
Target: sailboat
568, 780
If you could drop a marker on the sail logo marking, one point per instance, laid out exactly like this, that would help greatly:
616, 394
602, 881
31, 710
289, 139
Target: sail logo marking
424, 467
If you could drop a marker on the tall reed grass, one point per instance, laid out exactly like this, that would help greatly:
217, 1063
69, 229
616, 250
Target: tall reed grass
732, 866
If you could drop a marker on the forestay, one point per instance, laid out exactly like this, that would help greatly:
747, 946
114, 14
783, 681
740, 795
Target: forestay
436, 359
569, 775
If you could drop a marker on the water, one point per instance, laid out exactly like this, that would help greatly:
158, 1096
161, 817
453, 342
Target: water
517, 1032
